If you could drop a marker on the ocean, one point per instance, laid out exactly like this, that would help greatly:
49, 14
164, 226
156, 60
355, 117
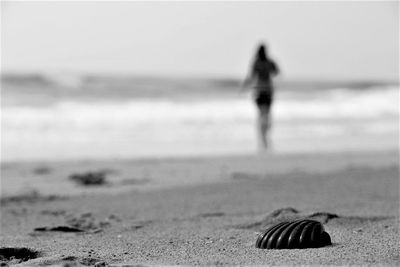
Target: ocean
89, 117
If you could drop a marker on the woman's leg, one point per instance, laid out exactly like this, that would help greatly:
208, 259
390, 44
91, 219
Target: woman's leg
260, 133
264, 125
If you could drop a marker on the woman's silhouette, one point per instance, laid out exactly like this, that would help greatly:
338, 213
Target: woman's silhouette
260, 76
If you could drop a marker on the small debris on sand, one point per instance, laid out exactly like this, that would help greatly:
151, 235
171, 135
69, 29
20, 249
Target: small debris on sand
90, 178
42, 170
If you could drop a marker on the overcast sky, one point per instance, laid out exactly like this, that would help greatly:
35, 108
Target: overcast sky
345, 40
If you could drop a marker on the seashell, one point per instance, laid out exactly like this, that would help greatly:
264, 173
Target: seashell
295, 234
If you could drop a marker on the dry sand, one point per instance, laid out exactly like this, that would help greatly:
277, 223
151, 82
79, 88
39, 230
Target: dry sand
204, 211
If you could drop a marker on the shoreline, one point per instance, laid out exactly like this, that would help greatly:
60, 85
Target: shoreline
146, 159
124, 175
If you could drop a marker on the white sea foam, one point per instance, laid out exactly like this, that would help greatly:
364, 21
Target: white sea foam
162, 127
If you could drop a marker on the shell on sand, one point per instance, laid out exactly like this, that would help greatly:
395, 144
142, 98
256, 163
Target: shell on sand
295, 234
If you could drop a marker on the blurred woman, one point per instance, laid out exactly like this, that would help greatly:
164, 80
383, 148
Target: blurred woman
260, 76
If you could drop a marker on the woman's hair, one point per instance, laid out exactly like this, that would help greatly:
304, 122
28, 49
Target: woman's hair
261, 55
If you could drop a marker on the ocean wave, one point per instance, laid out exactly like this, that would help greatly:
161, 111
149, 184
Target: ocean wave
336, 105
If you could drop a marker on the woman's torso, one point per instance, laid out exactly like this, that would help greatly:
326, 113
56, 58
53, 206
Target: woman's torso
263, 83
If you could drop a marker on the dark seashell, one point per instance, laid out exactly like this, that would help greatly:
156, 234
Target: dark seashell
295, 234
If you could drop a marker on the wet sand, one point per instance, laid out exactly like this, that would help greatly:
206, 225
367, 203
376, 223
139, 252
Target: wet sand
204, 211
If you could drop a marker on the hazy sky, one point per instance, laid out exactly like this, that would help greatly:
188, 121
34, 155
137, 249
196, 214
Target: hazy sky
307, 39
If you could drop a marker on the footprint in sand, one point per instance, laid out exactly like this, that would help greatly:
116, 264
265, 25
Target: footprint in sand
30, 197
103, 177
68, 261
291, 214
42, 170
65, 229
83, 223
212, 214
11, 256
244, 176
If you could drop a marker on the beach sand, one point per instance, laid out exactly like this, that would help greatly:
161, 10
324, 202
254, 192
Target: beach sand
202, 211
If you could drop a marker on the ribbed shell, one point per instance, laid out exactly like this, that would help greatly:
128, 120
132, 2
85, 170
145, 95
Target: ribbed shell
296, 234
